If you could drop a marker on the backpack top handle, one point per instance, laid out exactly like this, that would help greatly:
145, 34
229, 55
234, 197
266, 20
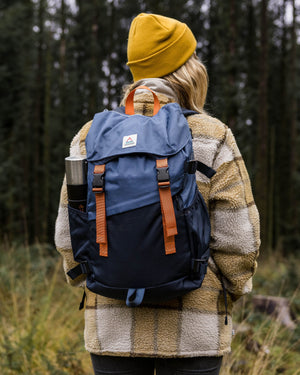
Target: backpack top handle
129, 107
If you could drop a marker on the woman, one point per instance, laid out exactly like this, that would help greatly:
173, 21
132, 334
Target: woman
189, 334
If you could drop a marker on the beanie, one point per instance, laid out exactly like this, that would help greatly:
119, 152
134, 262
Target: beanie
158, 46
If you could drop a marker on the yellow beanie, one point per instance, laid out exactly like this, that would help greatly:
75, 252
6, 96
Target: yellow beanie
158, 46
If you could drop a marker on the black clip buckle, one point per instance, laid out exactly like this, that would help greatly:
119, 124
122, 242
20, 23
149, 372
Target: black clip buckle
98, 181
163, 174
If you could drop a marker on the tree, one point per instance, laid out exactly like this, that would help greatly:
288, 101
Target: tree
61, 65
262, 178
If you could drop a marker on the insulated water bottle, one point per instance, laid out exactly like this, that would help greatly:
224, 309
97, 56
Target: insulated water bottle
76, 170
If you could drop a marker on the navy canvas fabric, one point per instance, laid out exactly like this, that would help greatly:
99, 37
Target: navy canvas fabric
137, 268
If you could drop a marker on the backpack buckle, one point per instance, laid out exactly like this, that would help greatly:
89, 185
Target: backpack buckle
163, 174
98, 182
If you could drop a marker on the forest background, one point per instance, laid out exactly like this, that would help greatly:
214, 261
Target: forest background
61, 61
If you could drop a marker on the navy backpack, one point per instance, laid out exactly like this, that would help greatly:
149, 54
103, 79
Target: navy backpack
145, 234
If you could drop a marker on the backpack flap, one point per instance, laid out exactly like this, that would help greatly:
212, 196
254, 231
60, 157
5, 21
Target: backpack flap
129, 147
164, 134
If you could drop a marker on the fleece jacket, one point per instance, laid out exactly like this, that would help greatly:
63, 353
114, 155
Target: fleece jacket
192, 325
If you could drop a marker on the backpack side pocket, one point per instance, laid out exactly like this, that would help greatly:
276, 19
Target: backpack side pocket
198, 224
79, 230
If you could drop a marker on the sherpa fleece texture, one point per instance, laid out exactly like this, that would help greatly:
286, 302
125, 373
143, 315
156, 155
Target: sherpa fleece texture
192, 325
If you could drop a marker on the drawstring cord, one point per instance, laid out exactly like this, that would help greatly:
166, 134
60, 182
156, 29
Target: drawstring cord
81, 306
225, 301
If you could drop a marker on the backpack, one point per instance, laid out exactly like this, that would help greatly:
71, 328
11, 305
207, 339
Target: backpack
145, 234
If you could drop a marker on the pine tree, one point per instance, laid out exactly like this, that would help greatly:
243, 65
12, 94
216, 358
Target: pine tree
262, 156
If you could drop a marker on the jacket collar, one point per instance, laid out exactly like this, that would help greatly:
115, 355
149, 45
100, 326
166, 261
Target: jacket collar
158, 85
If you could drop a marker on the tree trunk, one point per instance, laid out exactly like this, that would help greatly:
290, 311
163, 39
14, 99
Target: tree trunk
95, 63
62, 69
262, 174
109, 57
233, 111
282, 139
38, 121
46, 143
293, 197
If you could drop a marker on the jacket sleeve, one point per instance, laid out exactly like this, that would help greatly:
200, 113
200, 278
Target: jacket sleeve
235, 233
62, 230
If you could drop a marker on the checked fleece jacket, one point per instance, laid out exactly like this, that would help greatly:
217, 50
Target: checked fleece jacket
192, 325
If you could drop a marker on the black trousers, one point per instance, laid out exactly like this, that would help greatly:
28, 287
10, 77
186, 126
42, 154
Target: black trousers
104, 365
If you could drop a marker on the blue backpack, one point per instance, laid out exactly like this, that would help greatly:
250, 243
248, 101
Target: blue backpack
145, 234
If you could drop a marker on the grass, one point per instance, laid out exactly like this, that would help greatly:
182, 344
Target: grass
41, 332
262, 345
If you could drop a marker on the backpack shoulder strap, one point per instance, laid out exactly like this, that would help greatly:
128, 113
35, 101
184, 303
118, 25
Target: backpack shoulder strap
188, 112
195, 165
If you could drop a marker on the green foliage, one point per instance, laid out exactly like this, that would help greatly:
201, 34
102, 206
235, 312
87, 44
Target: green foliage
41, 330
60, 65
262, 345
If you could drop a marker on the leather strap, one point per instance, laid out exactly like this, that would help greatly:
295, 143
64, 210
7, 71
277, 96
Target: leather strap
167, 208
129, 105
101, 229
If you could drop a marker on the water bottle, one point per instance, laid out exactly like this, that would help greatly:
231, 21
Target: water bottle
76, 171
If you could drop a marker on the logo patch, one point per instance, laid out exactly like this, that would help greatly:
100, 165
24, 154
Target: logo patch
129, 141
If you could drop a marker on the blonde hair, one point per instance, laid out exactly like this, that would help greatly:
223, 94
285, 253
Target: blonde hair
189, 82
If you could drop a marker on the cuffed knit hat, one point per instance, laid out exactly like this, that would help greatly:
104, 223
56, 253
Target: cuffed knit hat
158, 46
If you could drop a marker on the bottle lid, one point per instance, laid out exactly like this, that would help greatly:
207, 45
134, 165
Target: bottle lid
75, 170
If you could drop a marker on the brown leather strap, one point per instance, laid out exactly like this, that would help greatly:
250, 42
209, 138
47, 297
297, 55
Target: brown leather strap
167, 210
129, 105
101, 229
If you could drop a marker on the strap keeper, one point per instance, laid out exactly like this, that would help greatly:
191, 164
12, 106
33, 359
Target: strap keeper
199, 266
195, 165
81, 269
85, 268
191, 166
164, 184
98, 190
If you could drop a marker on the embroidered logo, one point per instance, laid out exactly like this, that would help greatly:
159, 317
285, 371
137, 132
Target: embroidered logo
129, 141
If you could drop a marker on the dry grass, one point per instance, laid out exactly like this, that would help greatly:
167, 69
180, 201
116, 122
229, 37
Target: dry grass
42, 333
262, 345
